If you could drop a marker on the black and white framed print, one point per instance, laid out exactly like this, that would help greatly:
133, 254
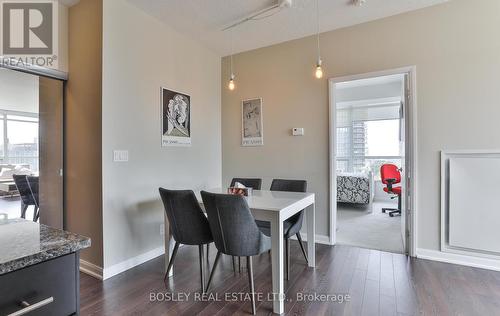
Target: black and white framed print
176, 118
252, 131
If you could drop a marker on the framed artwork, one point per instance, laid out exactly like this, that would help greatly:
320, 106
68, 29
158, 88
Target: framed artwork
251, 118
176, 118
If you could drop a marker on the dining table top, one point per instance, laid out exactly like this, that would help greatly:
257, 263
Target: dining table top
267, 200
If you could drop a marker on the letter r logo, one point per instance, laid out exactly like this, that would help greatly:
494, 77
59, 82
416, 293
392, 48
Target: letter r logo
27, 28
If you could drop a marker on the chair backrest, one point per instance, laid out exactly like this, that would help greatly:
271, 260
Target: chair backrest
188, 223
289, 185
233, 225
33, 186
253, 183
390, 171
24, 189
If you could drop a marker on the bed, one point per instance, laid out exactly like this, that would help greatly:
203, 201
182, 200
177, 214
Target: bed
355, 187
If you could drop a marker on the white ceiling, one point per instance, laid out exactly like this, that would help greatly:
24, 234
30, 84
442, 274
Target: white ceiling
203, 20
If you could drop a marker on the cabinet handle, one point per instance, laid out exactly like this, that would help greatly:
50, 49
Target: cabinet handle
31, 307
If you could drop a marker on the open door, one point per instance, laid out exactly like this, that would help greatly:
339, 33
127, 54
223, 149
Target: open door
404, 149
51, 152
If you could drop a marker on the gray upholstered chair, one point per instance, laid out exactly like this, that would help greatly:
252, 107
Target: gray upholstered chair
253, 183
33, 186
292, 225
235, 232
188, 224
27, 198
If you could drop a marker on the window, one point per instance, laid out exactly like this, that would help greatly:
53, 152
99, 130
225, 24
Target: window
382, 138
365, 144
19, 139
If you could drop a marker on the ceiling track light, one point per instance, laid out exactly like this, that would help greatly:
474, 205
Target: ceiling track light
259, 15
358, 3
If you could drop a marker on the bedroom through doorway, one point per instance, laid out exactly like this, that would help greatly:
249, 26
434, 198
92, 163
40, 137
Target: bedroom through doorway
369, 162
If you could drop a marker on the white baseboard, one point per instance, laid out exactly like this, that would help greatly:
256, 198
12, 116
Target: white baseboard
91, 269
132, 262
106, 273
464, 260
320, 239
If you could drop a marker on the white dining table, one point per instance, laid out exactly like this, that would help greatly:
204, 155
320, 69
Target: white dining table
274, 207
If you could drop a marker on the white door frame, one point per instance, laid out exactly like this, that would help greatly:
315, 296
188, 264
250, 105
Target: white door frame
410, 156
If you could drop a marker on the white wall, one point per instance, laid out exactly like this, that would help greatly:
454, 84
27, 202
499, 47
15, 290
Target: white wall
18, 91
141, 54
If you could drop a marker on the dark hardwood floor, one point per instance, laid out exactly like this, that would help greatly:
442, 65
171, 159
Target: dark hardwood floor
378, 283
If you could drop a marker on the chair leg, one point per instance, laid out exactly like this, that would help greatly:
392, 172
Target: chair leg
35, 213
250, 280
287, 259
234, 264
208, 252
24, 208
239, 264
176, 247
299, 238
202, 268
217, 257
391, 214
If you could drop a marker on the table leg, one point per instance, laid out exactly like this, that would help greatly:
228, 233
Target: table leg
277, 243
169, 244
311, 233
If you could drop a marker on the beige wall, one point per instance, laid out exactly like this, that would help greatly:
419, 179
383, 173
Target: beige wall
62, 39
140, 55
83, 126
456, 49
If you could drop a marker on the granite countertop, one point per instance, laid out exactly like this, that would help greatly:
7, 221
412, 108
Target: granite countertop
24, 243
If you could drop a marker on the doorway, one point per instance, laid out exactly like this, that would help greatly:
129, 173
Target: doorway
31, 147
371, 160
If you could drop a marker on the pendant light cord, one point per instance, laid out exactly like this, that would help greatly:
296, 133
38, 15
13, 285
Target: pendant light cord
317, 29
232, 52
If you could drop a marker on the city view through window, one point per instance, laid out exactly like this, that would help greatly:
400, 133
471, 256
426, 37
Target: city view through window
19, 140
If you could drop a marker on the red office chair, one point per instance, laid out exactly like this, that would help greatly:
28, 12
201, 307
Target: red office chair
390, 176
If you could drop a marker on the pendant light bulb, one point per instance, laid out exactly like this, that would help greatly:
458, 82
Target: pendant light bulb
319, 70
231, 84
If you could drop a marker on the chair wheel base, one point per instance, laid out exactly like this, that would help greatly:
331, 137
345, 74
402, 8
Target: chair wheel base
391, 211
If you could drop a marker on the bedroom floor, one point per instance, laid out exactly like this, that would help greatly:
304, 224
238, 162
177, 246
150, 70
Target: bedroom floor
357, 226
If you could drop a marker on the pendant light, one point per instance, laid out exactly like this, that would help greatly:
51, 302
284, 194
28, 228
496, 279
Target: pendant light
319, 70
231, 86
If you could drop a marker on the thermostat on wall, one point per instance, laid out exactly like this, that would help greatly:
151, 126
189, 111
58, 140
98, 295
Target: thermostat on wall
298, 131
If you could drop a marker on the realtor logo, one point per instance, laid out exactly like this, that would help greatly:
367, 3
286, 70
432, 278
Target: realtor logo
29, 33
27, 28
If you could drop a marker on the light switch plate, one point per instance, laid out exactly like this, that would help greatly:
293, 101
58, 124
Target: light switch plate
120, 155
298, 131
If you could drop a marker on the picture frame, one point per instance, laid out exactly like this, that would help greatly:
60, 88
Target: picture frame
175, 118
252, 131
